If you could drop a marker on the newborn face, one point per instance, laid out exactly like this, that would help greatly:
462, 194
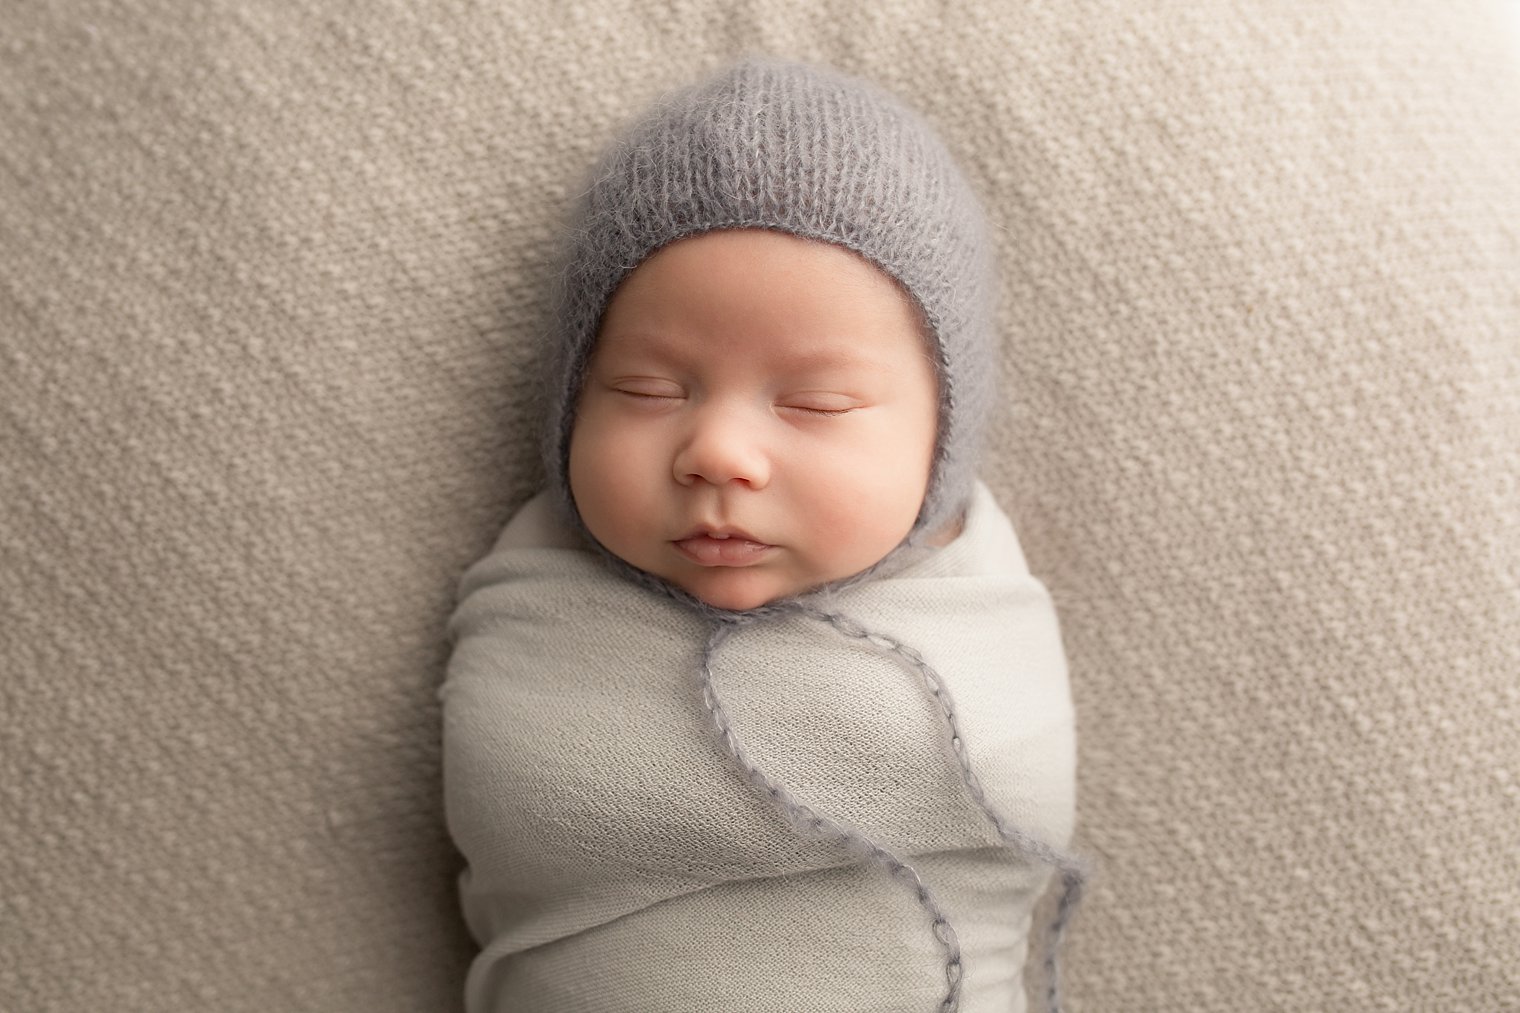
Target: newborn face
758, 417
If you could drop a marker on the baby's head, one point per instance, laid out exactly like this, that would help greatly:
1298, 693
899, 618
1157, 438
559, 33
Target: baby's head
775, 351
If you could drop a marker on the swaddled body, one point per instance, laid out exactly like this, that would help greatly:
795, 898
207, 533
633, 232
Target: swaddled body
620, 861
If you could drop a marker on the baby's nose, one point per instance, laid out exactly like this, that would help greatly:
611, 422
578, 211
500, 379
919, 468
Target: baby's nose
722, 447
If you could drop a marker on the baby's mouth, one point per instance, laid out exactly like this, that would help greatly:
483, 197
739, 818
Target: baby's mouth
721, 550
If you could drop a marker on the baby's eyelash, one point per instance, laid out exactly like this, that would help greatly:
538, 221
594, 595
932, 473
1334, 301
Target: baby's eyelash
820, 411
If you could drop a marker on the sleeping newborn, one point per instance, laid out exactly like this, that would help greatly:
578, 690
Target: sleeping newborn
757, 707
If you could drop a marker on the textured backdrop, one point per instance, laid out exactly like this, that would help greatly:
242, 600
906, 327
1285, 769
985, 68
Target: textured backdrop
271, 275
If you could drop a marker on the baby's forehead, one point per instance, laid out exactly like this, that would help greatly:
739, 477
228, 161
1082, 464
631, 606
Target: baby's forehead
767, 300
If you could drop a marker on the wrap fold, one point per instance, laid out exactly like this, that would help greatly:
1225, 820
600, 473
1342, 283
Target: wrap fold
619, 859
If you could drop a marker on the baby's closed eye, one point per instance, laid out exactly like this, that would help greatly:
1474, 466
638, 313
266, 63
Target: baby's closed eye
648, 387
821, 403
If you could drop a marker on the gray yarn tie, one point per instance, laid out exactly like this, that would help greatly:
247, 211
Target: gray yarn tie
1073, 872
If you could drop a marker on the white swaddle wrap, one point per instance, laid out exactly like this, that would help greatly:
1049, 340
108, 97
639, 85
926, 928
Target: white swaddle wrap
619, 859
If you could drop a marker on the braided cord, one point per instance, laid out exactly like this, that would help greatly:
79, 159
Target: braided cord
1073, 873
808, 820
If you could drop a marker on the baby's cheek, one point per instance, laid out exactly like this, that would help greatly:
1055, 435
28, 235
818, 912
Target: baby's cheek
611, 479
591, 452
868, 512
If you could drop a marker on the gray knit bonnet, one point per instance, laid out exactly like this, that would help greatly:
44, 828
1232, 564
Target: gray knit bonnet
772, 144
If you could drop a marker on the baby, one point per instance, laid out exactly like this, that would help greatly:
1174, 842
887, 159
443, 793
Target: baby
765, 635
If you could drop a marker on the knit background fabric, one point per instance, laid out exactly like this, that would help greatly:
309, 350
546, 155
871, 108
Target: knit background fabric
272, 277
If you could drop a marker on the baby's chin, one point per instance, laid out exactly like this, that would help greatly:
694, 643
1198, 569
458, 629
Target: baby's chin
737, 589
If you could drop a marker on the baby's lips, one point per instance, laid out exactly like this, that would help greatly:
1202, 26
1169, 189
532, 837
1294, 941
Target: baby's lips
711, 551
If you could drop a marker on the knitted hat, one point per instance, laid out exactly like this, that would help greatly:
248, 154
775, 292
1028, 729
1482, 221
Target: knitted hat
810, 151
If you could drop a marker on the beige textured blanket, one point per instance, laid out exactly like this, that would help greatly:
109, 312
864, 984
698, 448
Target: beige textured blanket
621, 859
271, 282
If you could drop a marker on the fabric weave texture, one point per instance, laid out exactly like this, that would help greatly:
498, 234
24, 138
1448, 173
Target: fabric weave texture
272, 278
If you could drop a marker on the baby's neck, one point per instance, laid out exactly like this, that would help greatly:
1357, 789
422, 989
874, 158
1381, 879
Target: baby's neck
949, 533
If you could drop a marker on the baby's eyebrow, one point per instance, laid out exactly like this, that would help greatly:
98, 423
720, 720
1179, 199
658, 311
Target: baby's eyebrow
634, 342
831, 355
831, 358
